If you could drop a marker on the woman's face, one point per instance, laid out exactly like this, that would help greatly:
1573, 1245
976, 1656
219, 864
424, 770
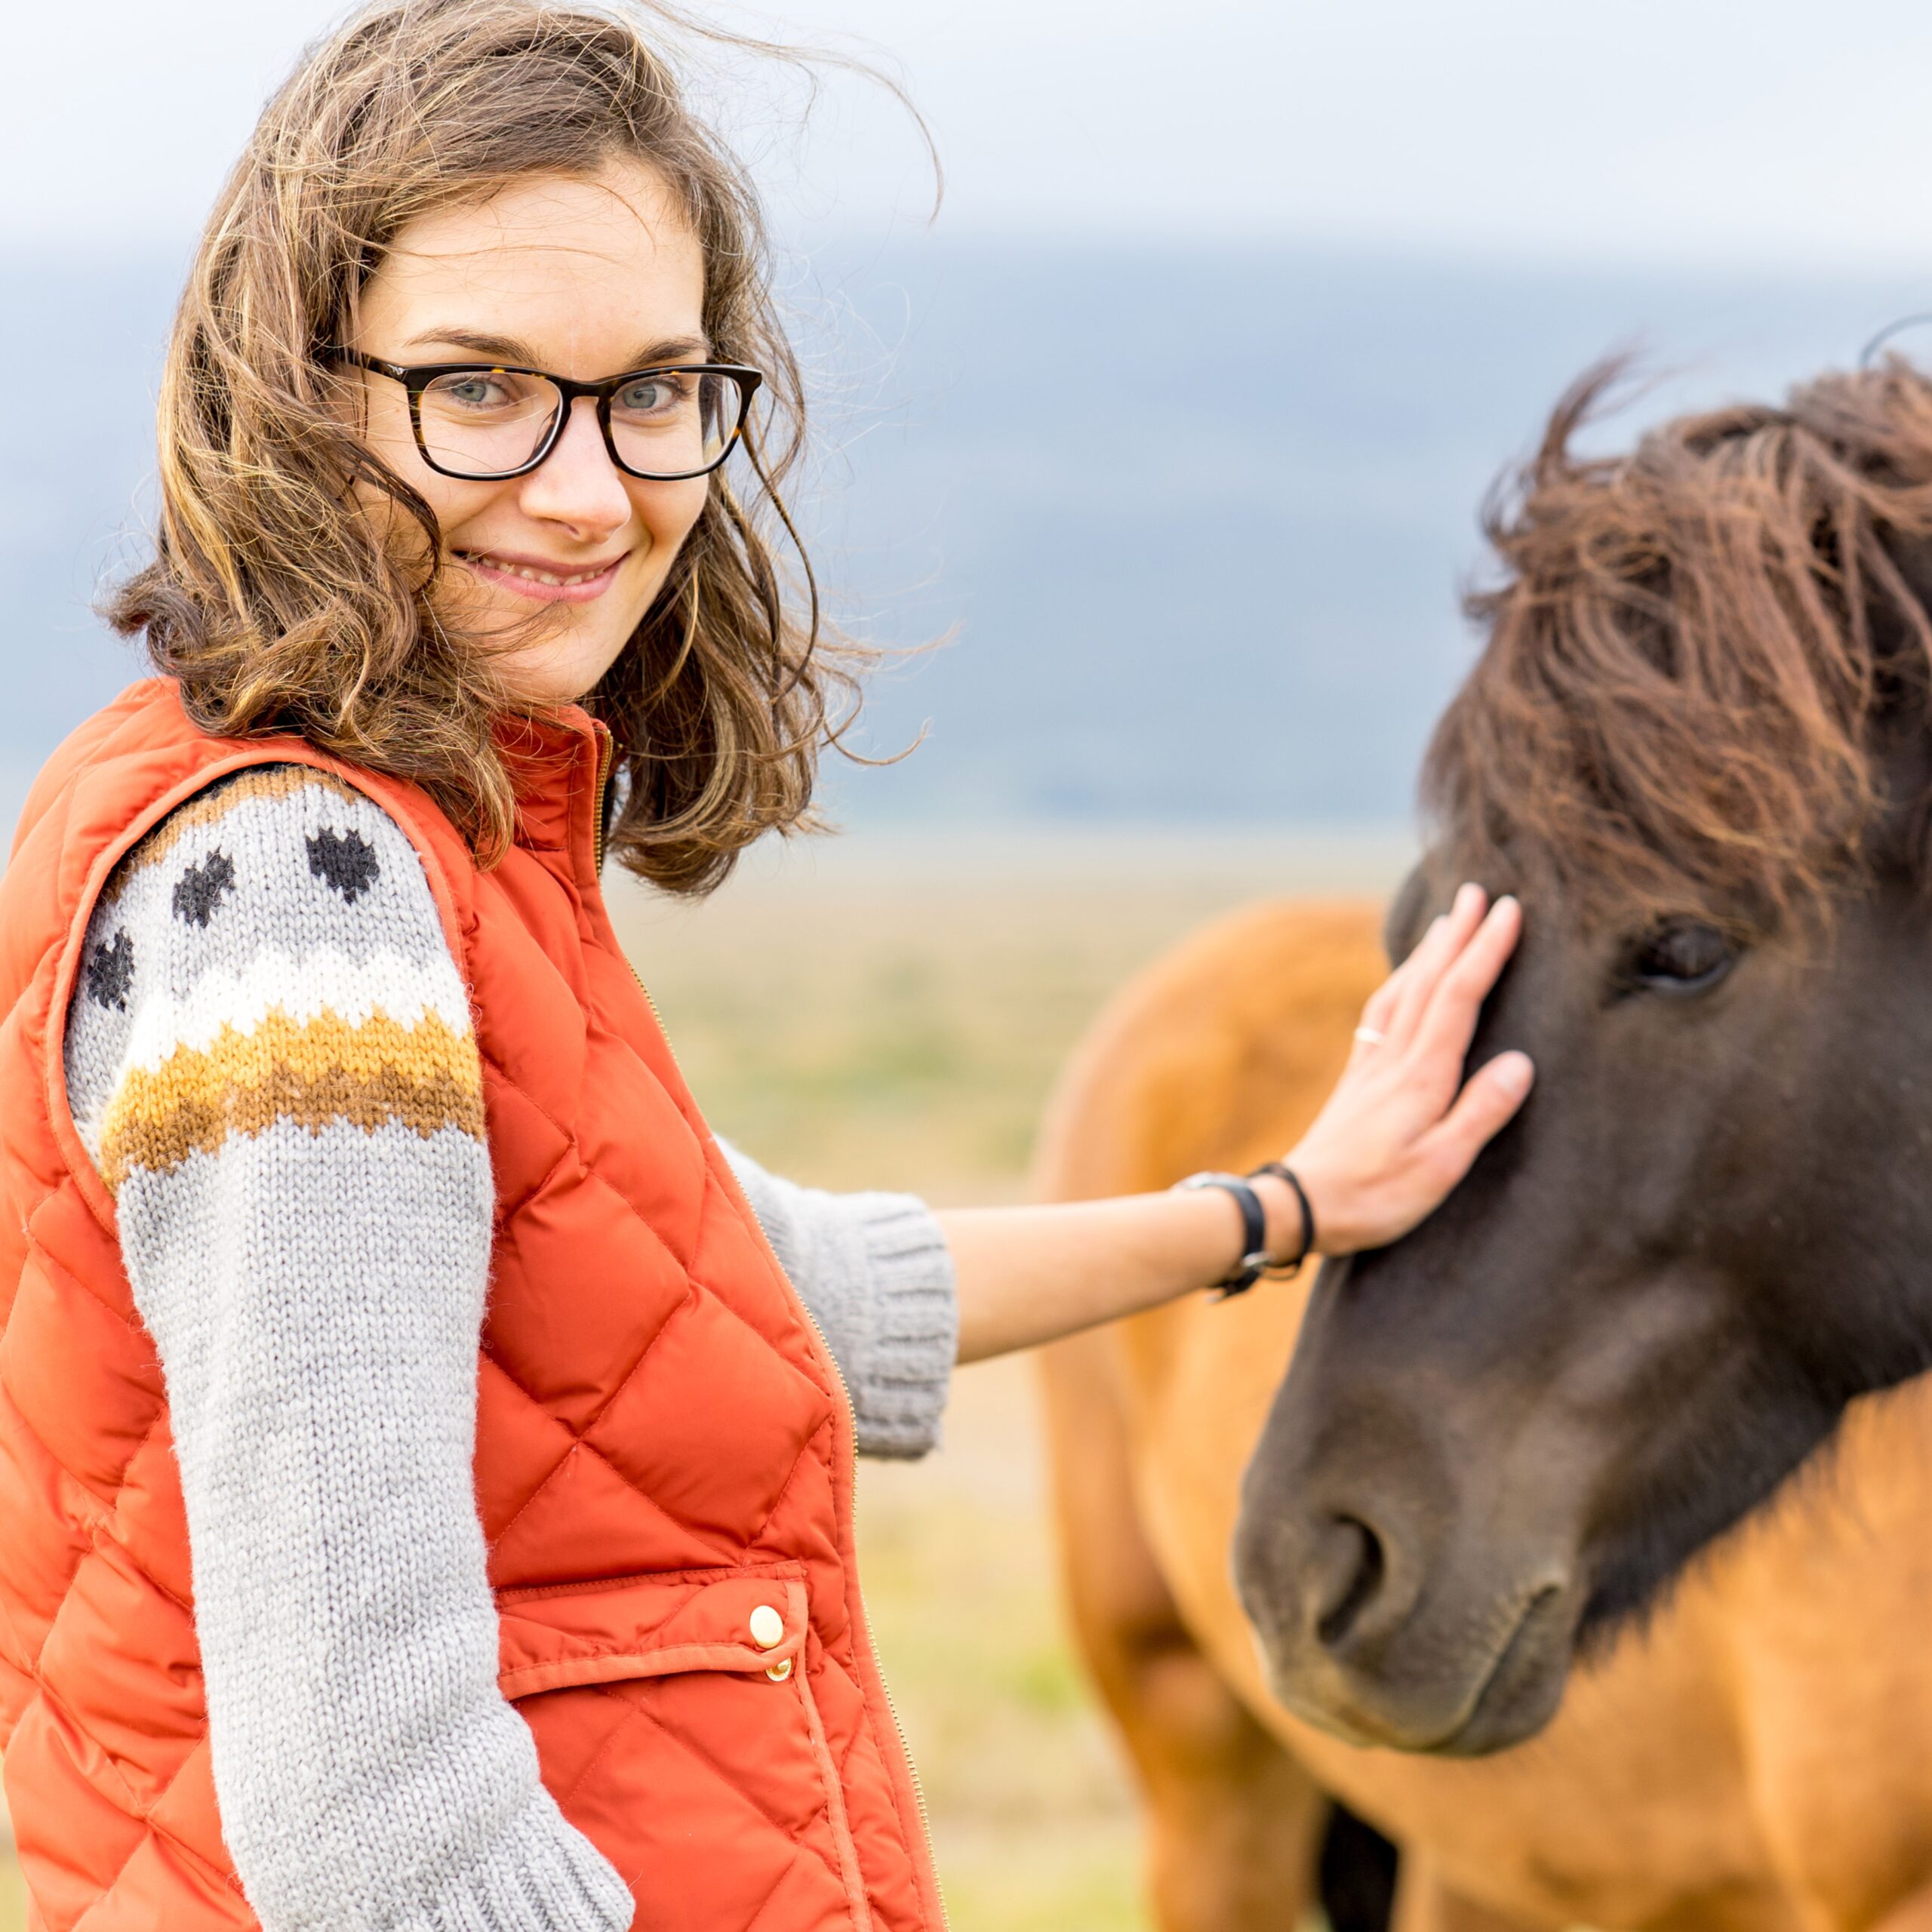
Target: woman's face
581, 278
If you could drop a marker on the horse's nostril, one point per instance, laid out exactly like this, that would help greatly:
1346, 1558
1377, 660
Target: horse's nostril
1351, 1567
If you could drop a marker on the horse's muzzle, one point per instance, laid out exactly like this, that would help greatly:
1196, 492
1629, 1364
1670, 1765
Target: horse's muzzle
1377, 1631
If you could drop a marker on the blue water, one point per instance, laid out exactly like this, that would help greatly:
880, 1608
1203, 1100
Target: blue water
1194, 522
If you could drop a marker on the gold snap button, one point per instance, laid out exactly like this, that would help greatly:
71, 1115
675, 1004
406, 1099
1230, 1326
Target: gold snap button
779, 1671
768, 1627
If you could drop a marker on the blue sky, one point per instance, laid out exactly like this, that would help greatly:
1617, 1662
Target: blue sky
1779, 133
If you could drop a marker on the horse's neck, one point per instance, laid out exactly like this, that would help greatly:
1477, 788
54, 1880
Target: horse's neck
1841, 1528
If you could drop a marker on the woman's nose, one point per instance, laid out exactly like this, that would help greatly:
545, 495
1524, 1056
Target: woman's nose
577, 485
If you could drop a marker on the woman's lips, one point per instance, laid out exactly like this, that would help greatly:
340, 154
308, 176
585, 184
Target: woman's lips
541, 581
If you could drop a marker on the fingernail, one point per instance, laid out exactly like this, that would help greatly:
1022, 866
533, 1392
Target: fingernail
1515, 1072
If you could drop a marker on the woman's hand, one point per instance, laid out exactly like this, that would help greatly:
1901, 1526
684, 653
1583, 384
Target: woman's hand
1393, 1139
1396, 1134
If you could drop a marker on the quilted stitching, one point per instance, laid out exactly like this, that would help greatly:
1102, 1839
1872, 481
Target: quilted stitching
816, 1821
718, 1463
764, 1904
707, 1550
580, 1438
123, 1803
714, 1774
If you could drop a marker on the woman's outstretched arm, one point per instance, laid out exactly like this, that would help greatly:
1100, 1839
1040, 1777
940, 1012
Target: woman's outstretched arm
1400, 1129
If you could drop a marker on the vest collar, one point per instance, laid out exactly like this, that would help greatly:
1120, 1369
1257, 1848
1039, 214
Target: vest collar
557, 760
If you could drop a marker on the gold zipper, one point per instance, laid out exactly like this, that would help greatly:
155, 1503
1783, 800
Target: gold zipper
606, 752
864, 1624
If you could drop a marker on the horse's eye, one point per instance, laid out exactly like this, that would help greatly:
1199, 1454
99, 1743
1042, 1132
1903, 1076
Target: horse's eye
1681, 956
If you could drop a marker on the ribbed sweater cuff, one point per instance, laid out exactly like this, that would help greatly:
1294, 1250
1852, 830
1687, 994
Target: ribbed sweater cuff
900, 1390
541, 1875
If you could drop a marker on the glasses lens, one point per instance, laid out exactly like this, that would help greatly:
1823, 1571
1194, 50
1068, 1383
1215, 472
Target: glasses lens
487, 422
674, 422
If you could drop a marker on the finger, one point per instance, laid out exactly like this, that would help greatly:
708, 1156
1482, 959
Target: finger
1372, 1030
1379, 1014
1488, 1102
1382, 1002
1443, 941
1419, 970
1449, 1023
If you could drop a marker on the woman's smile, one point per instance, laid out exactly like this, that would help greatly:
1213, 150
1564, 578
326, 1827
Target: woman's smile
542, 580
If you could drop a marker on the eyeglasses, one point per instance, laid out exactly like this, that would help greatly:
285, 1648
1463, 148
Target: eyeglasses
483, 423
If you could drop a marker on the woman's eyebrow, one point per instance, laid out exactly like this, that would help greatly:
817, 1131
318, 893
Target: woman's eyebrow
507, 349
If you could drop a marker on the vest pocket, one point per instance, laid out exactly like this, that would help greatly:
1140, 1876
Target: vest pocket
678, 1725
749, 1619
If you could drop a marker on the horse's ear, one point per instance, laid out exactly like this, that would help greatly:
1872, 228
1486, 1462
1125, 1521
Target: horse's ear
1408, 914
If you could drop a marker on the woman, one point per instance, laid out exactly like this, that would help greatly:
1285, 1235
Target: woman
320, 1043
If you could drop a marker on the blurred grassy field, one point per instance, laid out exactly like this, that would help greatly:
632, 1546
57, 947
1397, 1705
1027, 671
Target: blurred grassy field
875, 1012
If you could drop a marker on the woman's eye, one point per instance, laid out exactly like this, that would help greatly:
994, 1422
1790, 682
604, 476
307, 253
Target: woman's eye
1681, 956
473, 392
651, 398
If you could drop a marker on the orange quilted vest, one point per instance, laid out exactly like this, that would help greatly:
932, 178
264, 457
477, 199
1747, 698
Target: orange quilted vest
663, 1445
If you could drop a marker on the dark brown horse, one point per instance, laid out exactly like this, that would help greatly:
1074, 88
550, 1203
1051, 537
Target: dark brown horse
1697, 745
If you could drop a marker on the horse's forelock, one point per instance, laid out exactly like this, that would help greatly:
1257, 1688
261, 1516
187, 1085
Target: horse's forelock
1687, 648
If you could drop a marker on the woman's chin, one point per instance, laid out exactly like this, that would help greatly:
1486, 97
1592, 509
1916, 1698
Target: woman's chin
545, 659
545, 651
550, 684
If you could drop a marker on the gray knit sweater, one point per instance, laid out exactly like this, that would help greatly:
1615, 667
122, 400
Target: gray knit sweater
314, 1274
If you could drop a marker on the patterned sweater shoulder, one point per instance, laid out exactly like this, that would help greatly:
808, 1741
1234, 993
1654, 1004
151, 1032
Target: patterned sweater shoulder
269, 1057
268, 959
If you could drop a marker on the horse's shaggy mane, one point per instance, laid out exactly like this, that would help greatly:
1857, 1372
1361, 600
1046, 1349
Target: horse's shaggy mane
1688, 650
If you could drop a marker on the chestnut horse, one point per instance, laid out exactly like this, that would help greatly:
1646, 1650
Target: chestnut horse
1524, 1567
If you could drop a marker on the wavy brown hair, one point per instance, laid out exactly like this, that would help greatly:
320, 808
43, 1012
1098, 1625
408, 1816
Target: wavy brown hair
1690, 648
281, 605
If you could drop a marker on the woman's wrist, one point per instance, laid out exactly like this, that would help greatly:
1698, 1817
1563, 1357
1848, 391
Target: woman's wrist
1336, 1203
1287, 1234
1274, 1215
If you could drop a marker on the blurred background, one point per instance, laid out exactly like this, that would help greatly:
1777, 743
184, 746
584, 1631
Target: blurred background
1183, 655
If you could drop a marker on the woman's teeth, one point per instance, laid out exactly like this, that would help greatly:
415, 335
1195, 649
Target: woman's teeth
534, 576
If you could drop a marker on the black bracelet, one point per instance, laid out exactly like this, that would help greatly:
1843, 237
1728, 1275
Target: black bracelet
1254, 1259
1282, 1171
